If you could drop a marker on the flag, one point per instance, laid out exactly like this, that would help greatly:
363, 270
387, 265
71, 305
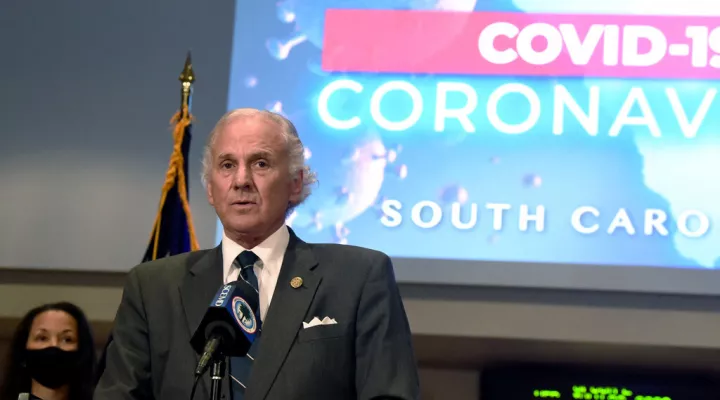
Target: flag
173, 231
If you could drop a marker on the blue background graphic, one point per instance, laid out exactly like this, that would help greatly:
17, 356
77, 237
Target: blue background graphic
276, 65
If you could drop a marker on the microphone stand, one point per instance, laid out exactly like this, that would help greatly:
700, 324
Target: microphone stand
216, 376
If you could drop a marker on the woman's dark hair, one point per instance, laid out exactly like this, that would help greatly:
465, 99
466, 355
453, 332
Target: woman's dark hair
17, 380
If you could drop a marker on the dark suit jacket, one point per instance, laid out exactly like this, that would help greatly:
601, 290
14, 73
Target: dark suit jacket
368, 354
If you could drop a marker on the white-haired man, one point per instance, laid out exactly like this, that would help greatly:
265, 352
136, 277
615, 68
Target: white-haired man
254, 171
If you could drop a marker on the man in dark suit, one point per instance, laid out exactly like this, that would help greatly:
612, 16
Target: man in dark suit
333, 323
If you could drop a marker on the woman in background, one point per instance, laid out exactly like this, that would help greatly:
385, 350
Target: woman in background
52, 356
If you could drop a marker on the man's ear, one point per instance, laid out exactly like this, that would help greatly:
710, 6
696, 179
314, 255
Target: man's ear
208, 191
296, 186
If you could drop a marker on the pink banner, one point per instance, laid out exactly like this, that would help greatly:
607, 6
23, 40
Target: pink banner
488, 43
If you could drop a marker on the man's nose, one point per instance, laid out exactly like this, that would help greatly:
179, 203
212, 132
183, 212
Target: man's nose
242, 177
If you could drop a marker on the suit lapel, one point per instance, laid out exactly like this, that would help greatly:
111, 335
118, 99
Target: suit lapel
285, 315
197, 289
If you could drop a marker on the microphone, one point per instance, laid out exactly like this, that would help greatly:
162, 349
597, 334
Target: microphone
229, 326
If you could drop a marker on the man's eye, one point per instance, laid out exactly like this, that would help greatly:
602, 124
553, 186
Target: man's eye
226, 165
262, 164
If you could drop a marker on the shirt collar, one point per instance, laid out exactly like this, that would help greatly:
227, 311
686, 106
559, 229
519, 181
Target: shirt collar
269, 251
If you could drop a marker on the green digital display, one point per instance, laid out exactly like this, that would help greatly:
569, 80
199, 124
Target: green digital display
581, 392
533, 382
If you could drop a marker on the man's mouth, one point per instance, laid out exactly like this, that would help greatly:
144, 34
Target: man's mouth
243, 203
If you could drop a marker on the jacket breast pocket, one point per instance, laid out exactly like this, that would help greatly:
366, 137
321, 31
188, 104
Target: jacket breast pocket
322, 332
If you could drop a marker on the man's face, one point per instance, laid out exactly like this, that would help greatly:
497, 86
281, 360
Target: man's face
249, 183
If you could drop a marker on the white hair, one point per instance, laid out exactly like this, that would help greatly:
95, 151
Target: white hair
295, 148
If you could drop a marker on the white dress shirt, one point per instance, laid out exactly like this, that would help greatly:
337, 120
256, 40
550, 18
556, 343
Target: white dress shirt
271, 253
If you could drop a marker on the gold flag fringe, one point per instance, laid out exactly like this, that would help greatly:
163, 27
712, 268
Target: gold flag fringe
175, 171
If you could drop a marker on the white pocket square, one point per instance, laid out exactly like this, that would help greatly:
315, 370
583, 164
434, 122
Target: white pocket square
316, 321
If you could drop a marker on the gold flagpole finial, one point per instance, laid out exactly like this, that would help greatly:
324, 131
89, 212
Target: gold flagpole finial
187, 77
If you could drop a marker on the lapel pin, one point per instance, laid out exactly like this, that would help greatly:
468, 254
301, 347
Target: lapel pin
296, 282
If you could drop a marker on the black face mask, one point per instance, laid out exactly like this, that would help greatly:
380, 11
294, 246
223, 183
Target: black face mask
53, 367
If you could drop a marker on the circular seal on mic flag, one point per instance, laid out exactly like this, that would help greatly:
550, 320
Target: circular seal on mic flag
244, 315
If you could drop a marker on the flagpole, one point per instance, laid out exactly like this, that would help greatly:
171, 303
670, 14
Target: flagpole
187, 78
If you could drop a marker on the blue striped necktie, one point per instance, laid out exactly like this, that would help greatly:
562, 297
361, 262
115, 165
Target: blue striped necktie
240, 367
